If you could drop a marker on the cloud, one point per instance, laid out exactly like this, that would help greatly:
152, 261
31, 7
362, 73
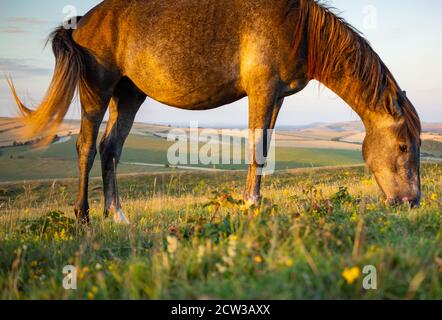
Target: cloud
26, 20
11, 30
20, 68
16, 24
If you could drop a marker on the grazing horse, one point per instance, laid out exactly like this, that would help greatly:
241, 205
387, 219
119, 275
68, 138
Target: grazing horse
202, 54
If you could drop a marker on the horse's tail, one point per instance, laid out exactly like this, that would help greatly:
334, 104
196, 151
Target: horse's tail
69, 70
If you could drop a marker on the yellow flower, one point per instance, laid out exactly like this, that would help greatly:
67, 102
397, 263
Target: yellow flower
354, 217
351, 274
91, 294
83, 272
257, 259
367, 182
433, 197
289, 262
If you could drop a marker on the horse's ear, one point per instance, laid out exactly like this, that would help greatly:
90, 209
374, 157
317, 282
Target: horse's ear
393, 106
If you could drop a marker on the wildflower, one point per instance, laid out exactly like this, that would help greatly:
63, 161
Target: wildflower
83, 272
433, 197
367, 182
354, 217
98, 266
351, 274
172, 244
91, 294
289, 262
257, 259
221, 268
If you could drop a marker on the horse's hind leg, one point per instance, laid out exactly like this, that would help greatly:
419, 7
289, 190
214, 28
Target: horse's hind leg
94, 103
124, 105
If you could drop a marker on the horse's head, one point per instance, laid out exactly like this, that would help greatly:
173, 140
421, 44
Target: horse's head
392, 149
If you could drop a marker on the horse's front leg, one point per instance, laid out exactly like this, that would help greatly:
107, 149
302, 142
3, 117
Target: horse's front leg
263, 113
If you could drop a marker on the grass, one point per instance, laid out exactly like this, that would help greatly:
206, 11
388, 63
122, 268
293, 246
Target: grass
192, 238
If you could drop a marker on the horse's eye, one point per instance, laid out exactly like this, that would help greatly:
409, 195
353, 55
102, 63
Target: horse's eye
403, 148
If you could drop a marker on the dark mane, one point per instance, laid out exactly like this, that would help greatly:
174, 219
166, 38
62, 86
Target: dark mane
334, 46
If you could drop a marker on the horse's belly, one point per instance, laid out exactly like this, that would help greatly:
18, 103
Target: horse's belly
191, 96
188, 82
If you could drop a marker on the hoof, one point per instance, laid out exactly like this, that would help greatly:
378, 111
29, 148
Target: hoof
252, 200
82, 217
120, 218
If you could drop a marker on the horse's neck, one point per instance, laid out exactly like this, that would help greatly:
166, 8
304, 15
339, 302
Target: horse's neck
344, 62
347, 87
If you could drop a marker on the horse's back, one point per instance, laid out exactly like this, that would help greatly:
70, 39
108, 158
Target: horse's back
185, 53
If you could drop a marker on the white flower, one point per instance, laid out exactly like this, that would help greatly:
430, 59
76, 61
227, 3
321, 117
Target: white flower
172, 244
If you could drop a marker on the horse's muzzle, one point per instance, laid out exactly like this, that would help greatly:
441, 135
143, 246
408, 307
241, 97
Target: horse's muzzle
412, 202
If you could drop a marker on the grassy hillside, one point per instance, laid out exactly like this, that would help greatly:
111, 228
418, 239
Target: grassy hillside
60, 160
431, 147
191, 237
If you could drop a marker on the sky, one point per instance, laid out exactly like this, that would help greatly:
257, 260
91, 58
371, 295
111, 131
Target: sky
407, 34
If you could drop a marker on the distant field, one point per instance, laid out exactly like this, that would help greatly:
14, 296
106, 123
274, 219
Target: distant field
60, 160
432, 147
145, 151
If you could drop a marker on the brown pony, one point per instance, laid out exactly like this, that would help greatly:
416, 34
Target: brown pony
202, 54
